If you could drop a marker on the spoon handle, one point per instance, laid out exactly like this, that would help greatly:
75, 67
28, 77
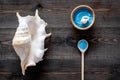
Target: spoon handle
82, 67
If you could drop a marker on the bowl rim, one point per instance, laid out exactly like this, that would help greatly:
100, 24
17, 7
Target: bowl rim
75, 9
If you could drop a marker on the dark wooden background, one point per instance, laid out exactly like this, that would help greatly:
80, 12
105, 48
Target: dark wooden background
62, 60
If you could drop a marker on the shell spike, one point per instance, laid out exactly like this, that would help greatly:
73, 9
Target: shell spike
30, 63
18, 15
46, 24
23, 69
23, 72
47, 35
46, 49
36, 13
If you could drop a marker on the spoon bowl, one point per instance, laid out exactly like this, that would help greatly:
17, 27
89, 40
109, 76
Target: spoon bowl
82, 45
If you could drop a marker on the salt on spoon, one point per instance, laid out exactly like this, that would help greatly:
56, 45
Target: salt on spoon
82, 46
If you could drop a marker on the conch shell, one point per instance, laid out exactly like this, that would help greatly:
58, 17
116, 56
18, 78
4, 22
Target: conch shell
28, 40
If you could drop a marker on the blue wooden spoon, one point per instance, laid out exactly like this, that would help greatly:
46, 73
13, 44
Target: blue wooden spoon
82, 46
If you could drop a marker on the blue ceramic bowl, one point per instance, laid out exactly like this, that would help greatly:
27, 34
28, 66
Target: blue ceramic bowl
77, 14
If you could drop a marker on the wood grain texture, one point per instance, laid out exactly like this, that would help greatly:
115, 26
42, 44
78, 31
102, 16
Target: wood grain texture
62, 60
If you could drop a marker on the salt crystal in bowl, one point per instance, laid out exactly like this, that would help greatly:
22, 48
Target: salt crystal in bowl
82, 17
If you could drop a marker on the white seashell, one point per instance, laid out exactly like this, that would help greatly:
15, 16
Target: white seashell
28, 40
84, 19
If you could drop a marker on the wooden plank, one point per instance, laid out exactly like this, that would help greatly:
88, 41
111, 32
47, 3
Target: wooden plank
48, 70
59, 19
